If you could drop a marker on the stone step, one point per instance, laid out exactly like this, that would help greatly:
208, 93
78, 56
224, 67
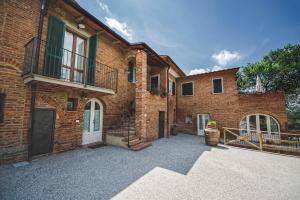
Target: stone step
134, 142
141, 146
131, 137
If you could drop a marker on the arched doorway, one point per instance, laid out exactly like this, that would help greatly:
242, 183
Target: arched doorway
92, 122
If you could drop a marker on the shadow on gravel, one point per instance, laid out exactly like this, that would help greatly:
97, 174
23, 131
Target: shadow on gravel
99, 173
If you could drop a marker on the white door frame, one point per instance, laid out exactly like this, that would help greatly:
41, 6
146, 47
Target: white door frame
92, 136
201, 132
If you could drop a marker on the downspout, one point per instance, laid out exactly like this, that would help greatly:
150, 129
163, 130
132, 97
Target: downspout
168, 133
33, 86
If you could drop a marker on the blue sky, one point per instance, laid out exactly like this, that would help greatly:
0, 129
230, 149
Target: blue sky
203, 35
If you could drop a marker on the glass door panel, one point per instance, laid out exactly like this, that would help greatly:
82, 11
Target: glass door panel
97, 117
67, 56
86, 117
79, 60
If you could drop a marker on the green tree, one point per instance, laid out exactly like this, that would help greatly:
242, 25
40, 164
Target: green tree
279, 70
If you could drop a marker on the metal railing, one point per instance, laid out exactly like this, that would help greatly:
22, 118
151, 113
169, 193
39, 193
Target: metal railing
262, 140
44, 59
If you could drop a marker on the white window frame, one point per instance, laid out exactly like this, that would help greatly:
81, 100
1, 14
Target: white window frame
268, 117
193, 88
212, 83
152, 76
170, 89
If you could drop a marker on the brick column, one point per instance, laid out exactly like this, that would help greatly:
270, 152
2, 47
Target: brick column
141, 94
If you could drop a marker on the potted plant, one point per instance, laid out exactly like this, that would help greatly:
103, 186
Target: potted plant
212, 134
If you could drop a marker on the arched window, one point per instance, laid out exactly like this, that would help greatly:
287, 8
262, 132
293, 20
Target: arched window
131, 72
259, 122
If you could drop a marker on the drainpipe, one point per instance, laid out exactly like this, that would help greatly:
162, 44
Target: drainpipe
39, 34
168, 133
33, 86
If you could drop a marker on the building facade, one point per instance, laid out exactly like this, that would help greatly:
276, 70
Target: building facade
68, 81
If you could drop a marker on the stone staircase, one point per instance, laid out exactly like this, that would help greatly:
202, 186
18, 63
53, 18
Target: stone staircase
118, 136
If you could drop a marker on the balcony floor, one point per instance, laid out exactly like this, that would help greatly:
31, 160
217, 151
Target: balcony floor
39, 78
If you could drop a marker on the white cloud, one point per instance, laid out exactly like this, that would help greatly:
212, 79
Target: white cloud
104, 7
114, 23
205, 70
119, 26
199, 71
224, 57
217, 68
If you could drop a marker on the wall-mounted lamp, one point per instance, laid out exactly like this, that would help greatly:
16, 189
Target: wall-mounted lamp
79, 21
81, 26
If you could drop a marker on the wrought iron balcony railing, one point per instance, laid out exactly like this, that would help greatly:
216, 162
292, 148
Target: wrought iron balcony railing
44, 60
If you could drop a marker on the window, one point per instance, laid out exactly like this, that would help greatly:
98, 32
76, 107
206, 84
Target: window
73, 63
2, 97
217, 85
171, 87
72, 104
188, 119
187, 89
259, 122
155, 82
131, 72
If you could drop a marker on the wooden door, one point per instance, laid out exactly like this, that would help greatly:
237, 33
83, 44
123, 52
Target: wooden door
43, 131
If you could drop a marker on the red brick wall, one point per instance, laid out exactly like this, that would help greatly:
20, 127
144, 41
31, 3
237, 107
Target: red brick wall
227, 108
18, 21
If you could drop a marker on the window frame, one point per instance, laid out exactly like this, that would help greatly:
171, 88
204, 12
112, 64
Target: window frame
193, 88
72, 68
268, 118
170, 89
75, 101
152, 76
133, 72
222, 83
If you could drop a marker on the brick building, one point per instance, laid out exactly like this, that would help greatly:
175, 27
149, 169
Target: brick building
67, 81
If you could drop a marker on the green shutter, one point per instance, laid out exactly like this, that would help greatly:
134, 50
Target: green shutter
54, 47
91, 68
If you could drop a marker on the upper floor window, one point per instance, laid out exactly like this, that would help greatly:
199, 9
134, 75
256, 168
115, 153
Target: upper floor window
155, 82
2, 98
131, 72
187, 89
73, 57
217, 85
171, 87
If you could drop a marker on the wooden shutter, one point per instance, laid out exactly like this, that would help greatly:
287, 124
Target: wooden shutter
54, 47
91, 68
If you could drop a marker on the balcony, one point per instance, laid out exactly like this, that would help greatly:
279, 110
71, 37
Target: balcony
42, 63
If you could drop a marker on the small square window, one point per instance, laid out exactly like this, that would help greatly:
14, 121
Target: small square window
189, 119
187, 89
217, 85
72, 104
2, 98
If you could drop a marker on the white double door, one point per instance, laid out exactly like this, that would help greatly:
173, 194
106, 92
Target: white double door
202, 121
92, 122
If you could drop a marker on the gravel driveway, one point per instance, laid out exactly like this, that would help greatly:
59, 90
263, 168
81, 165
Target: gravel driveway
181, 167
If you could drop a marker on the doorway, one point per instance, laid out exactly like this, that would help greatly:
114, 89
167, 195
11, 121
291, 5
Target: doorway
161, 124
43, 131
92, 122
202, 121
